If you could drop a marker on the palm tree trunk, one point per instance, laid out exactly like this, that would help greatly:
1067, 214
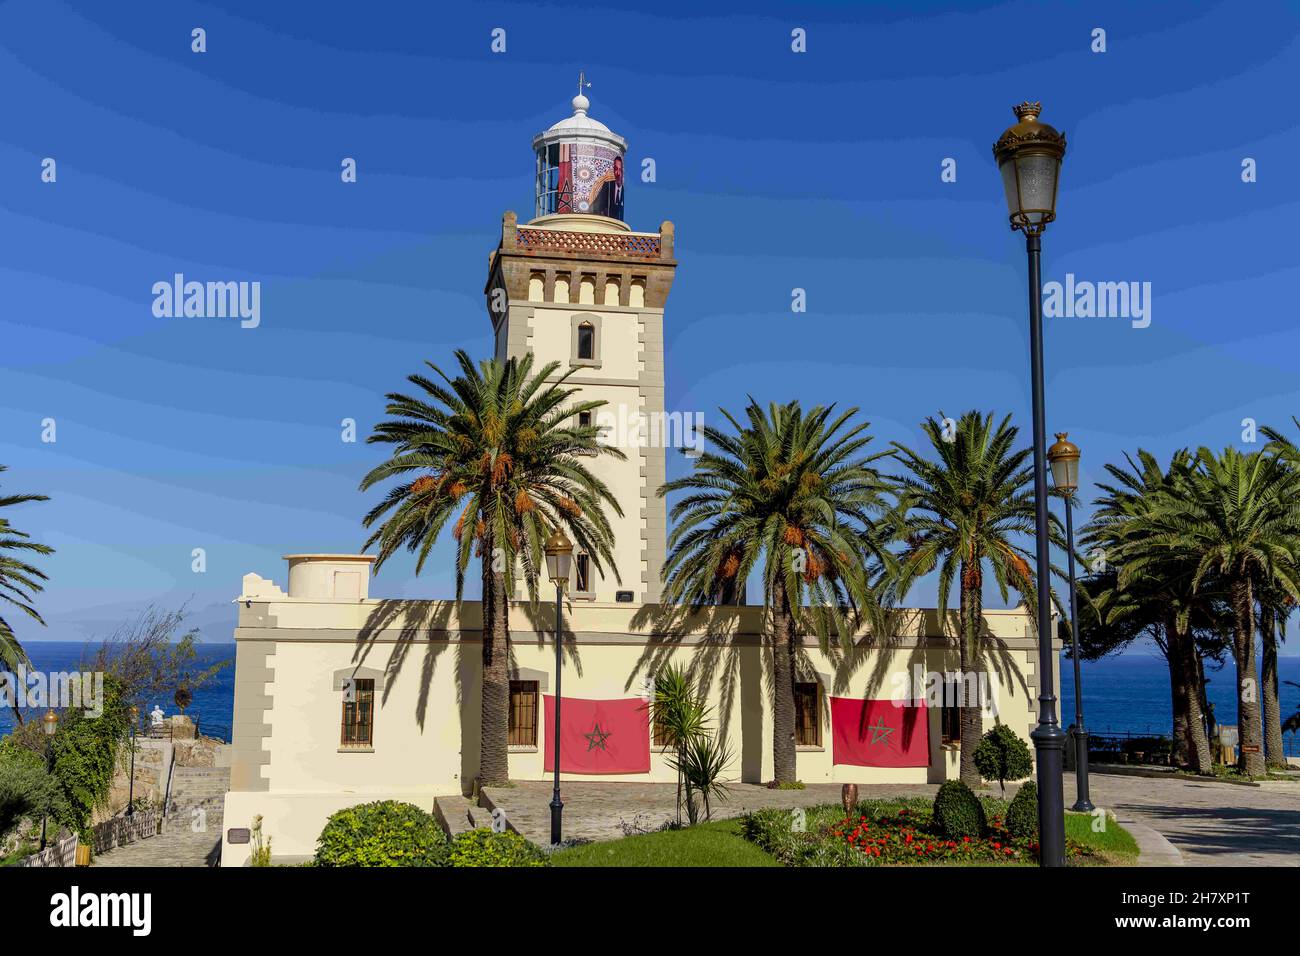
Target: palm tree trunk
972, 719
1182, 732
1183, 659
494, 719
1249, 724
783, 652
1273, 756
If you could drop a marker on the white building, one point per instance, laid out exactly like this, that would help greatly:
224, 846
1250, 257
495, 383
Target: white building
341, 698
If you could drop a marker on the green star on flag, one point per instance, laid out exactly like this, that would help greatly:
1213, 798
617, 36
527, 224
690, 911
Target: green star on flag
879, 732
597, 738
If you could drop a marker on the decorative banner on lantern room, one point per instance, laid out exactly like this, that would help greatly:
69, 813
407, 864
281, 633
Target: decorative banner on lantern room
599, 736
880, 733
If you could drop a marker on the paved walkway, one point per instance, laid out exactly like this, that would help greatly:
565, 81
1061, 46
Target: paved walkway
598, 811
1211, 823
192, 834
177, 845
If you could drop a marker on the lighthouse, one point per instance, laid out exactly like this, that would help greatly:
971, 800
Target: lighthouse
578, 286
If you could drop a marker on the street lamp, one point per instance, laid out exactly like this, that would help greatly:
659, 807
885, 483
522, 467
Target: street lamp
130, 799
559, 558
1064, 458
49, 723
1029, 156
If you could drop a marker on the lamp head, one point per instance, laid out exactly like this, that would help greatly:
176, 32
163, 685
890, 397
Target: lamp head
1029, 156
559, 557
1064, 459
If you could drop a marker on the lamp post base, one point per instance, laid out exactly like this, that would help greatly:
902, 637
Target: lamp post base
1049, 754
1083, 804
557, 814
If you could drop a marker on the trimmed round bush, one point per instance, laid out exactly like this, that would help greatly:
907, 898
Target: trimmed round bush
1022, 815
957, 811
384, 833
482, 847
1001, 755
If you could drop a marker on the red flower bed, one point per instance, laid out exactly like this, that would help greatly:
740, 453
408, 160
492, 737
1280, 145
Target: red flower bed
905, 837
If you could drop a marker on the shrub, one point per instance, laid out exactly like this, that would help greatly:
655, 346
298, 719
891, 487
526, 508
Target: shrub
482, 847
957, 811
384, 833
1002, 756
1022, 815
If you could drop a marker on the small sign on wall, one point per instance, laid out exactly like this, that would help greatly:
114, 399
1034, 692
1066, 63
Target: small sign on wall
237, 835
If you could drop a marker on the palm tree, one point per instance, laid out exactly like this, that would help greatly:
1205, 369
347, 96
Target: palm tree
969, 507
1235, 518
793, 492
500, 450
1158, 599
20, 582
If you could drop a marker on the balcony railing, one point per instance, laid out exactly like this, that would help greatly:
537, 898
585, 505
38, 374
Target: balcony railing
622, 244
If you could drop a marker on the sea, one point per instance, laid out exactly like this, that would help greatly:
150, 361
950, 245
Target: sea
213, 703
1120, 694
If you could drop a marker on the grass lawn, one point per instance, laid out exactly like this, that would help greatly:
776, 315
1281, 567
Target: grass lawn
1115, 847
707, 844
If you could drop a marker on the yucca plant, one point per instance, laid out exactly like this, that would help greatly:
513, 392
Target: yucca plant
701, 762
679, 716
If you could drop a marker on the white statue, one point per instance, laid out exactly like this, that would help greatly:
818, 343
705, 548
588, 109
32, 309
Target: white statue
156, 715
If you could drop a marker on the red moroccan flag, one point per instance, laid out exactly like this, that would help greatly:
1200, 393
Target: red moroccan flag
879, 733
599, 736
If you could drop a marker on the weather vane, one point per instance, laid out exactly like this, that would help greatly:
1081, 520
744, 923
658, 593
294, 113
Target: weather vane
582, 82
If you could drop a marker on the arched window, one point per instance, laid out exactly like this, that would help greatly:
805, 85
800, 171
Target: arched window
586, 341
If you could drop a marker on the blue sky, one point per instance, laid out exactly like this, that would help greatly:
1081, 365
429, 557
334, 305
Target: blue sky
818, 170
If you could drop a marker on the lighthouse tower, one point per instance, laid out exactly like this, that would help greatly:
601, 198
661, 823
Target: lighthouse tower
576, 285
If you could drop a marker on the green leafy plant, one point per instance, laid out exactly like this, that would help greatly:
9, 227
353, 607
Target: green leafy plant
482, 847
384, 833
1001, 755
1022, 815
27, 791
957, 812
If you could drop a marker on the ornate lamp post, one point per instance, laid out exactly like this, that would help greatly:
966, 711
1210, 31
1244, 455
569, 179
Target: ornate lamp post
1029, 156
130, 799
559, 558
1064, 457
49, 723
